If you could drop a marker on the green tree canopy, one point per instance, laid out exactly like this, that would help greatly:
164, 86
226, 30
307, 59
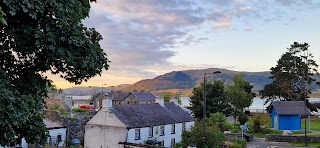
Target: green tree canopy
293, 75
216, 101
239, 94
214, 137
40, 37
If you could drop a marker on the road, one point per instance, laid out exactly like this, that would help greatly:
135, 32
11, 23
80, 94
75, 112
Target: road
260, 143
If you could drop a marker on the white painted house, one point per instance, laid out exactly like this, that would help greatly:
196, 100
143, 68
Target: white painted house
57, 134
115, 126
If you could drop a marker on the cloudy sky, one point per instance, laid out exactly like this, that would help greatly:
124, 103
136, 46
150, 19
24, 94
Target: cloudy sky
147, 38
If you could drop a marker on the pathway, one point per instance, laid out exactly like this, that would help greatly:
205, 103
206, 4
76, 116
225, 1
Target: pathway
261, 143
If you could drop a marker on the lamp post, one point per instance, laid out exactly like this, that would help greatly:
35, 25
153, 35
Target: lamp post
94, 89
205, 106
102, 88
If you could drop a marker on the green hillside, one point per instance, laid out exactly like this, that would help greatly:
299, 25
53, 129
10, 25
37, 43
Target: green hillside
189, 79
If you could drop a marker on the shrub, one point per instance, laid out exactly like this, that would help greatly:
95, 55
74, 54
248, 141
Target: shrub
239, 142
243, 118
231, 127
261, 122
214, 137
218, 119
80, 110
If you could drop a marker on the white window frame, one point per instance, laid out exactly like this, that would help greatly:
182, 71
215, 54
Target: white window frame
150, 132
162, 129
183, 126
173, 128
137, 134
173, 142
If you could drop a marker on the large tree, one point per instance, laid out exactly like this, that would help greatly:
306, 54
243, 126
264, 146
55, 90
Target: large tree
216, 101
239, 94
293, 75
40, 37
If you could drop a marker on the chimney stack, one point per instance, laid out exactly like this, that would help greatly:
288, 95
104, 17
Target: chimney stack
174, 100
106, 101
160, 100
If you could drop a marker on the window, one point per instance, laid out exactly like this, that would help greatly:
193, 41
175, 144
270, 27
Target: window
150, 132
162, 130
59, 139
162, 143
173, 142
183, 126
137, 134
173, 128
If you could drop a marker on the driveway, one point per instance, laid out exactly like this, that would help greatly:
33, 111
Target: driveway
260, 143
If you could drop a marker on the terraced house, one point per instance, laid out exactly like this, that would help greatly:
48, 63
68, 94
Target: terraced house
120, 125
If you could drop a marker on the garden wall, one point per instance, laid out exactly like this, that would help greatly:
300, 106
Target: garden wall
248, 137
281, 138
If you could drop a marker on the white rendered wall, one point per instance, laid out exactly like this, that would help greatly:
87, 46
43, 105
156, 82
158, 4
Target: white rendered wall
144, 133
56, 132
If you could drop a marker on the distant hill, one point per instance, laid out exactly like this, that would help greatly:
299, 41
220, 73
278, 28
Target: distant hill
82, 90
189, 79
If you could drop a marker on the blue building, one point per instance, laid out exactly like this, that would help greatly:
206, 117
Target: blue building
286, 115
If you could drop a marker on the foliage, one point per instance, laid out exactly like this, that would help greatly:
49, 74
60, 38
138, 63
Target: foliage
238, 143
216, 100
167, 97
2, 20
214, 137
239, 94
243, 118
20, 113
292, 75
261, 122
80, 110
41, 37
218, 119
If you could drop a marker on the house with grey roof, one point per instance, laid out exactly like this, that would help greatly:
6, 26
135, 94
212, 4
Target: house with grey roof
286, 115
57, 135
121, 125
124, 98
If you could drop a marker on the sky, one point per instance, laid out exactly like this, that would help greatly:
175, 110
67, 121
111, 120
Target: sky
147, 38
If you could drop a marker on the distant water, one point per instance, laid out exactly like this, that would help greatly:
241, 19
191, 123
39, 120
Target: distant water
258, 103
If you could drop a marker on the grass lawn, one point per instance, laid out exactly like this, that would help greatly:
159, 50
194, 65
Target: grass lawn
314, 123
263, 134
303, 144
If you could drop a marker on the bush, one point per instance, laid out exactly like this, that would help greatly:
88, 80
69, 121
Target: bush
80, 110
218, 119
214, 137
231, 127
243, 118
261, 122
239, 142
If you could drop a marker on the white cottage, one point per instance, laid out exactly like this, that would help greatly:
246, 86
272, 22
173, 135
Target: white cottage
115, 126
57, 134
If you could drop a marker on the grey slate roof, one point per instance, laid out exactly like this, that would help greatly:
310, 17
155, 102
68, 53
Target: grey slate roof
144, 96
289, 107
118, 96
51, 124
146, 115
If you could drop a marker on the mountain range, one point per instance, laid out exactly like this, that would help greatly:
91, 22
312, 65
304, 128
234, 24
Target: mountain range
189, 79
181, 81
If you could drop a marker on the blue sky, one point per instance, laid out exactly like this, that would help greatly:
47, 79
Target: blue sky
147, 38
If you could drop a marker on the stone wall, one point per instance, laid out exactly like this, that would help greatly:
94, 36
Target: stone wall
281, 138
248, 137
